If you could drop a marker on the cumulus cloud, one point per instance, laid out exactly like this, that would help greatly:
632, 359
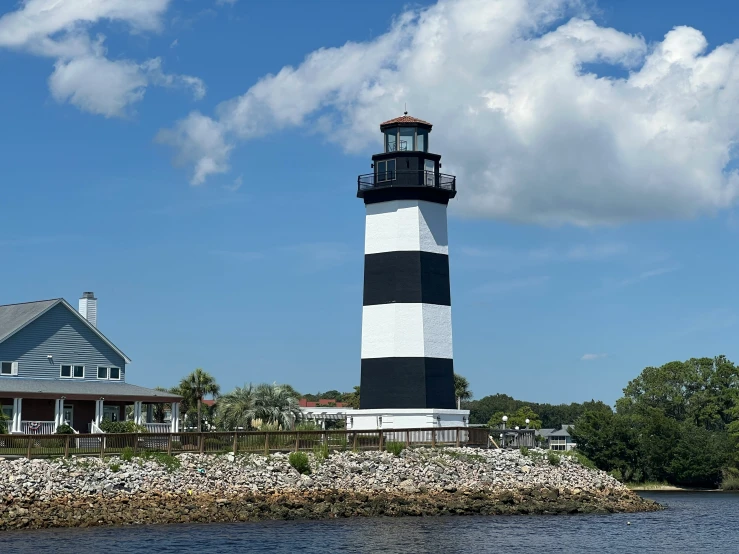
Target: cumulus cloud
83, 74
533, 134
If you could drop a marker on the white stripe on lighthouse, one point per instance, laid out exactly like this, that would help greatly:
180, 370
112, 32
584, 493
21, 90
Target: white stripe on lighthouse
407, 331
406, 225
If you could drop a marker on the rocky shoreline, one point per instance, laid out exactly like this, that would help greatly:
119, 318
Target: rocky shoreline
83, 492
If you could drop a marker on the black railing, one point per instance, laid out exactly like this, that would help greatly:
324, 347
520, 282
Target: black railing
420, 178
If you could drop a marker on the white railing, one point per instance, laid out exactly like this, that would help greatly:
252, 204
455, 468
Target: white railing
95, 430
38, 427
158, 427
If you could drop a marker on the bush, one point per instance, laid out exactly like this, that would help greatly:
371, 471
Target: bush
3, 425
730, 479
553, 458
121, 427
524, 451
299, 460
64, 429
127, 454
395, 448
115, 467
581, 459
307, 426
617, 475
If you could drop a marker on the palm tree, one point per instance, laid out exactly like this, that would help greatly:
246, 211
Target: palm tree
197, 385
276, 405
461, 390
236, 409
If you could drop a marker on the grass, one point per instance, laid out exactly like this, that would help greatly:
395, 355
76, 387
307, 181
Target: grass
114, 467
321, 452
395, 448
730, 479
649, 485
580, 458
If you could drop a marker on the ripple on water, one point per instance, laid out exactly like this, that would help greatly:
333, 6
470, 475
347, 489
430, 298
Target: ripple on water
694, 522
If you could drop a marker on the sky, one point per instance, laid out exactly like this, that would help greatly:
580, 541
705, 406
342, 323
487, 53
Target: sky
194, 163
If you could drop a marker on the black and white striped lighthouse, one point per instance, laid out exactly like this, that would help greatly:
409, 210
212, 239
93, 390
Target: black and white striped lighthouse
407, 357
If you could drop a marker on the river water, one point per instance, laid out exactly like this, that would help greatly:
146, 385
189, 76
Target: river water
694, 522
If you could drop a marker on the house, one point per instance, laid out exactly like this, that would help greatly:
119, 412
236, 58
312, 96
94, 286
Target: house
57, 367
558, 439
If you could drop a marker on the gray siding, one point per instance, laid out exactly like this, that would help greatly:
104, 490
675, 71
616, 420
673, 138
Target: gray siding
61, 334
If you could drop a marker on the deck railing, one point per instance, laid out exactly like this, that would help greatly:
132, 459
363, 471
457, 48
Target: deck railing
39, 446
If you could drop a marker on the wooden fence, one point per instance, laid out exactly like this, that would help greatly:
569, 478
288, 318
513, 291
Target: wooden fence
42, 446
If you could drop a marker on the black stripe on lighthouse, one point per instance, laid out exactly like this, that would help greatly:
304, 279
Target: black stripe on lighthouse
407, 359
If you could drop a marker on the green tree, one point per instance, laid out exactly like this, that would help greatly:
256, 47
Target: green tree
275, 405
461, 390
517, 418
3, 424
351, 399
236, 409
195, 387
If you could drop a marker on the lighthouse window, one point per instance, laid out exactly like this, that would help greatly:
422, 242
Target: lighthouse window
422, 140
386, 170
407, 134
391, 140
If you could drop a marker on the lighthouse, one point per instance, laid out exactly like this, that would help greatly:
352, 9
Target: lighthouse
407, 368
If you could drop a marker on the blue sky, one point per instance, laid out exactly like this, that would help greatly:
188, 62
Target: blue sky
196, 168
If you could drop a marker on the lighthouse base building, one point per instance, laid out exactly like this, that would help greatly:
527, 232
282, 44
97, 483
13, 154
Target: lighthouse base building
407, 361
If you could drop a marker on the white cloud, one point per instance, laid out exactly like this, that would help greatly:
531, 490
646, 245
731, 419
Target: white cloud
591, 357
532, 134
83, 74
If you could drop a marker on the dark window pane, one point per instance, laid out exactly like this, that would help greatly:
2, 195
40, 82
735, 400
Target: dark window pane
391, 140
66, 371
79, 371
406, 138
102, 373
390, 170
7, 368
422, 141
115, 373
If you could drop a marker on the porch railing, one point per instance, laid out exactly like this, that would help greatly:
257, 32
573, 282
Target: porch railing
39, 446
38, 427
157, 427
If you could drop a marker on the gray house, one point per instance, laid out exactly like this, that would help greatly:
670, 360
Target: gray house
57, 367
558, 439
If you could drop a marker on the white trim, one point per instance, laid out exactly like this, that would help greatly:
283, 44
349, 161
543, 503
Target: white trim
114, 378
108, 373
71, 371
13, 369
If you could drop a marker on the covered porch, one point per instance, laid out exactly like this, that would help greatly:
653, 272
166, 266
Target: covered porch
42, 412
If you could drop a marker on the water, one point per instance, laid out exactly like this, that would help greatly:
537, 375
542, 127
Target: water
694, 522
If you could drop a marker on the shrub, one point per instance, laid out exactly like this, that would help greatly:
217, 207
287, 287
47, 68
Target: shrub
127, 454
299, 460
395, 448
582, 459
307, 426
553, 458
3, 425
121, 427
64, 429
730, 479
115, 467
524, 451
617, 475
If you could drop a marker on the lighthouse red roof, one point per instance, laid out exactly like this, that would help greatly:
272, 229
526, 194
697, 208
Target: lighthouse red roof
405, 119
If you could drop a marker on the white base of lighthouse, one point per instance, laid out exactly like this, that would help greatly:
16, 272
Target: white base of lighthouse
406, 418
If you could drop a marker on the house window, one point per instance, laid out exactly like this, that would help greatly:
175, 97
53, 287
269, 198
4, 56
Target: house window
386, 170
73, 371
113, 373
8, 368
8, 412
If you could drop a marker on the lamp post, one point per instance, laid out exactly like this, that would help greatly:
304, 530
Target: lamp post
505, 418
527, 422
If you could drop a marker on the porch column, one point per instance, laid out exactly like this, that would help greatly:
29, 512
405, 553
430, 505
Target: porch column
99, 411
58, 413
17, 416
175, 417
149, 413
137, 413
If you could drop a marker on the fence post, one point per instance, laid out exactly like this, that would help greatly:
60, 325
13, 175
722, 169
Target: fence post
433, 438
236, 443
297, 441
382, 437
102, 448
201, 438
266, 444
66, 446
355, 441
135, 443
30, 441
169, 444
457, 437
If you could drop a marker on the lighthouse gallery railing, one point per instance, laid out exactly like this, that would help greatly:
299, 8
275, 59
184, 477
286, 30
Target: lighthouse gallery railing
420, 178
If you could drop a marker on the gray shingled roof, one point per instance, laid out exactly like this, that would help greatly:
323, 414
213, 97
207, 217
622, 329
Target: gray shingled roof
561, 432
14, 385
16, 316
